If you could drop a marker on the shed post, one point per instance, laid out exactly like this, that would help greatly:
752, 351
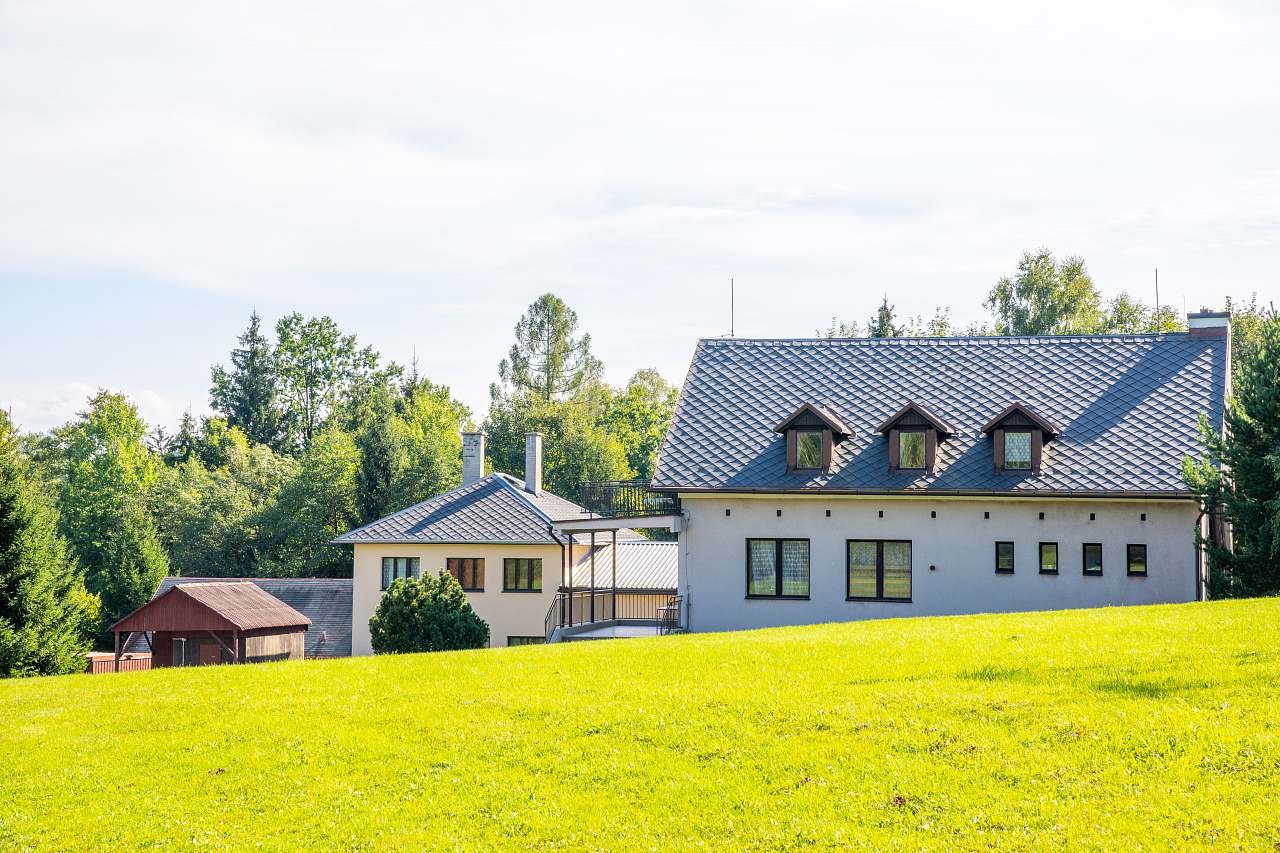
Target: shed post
593, 576
614, 597
117, 655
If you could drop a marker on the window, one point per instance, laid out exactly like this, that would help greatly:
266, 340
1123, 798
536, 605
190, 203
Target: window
1017, 450
911, 449
394, 568
1093, 558
526, 641
879, 570
1048, 558
1137, 560
808, 449
520, 575
1004, 558
469, 571
777, 568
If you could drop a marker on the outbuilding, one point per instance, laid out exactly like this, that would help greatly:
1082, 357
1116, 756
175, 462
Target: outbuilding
210, 623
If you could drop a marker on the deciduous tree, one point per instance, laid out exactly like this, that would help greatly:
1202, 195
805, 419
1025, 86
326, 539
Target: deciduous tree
1047, 297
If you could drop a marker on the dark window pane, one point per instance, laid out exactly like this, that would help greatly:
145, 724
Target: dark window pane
911, 449
1093, 558
525, 641
535, 575
762, 578
1004, 556
1137, 559
795, 567
897, 570
808, 449
1048, 556
388, 568
862, 570
1017, 450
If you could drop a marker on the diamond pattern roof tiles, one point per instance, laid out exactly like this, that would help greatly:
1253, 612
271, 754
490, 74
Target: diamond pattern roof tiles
1127, 405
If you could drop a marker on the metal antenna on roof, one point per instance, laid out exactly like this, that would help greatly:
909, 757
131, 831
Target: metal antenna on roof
1157, 291
731, 307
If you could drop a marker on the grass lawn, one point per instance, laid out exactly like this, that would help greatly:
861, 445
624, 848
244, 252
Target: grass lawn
1150, 727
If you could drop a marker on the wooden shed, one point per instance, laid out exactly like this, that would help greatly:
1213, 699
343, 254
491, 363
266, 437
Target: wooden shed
212, 623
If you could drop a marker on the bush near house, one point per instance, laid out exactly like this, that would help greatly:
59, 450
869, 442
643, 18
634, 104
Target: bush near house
1149, 727
430, 614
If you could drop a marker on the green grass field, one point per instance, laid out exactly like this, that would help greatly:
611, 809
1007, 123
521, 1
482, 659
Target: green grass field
1144, 727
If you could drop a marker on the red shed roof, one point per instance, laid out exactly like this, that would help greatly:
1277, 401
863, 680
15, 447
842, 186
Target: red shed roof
213, 607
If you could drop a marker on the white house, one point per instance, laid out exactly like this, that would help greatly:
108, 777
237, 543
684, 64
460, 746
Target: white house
830, 480
534, 565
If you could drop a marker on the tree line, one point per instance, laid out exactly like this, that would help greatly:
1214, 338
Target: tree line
313, 434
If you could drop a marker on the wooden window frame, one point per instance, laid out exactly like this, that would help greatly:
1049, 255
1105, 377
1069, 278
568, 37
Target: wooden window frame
823, 443
1012, 561
1084, 559
1128, 559
477, 568
777, 568
413, 568
518, 560
1057, 559
880, 596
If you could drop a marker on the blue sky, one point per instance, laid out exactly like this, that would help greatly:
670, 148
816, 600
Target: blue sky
421, 172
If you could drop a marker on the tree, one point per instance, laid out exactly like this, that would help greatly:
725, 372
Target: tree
575, 447
638, 418
1046, 298
246, 394
381, 461
839, 329
1126, 315
106, 480
314, 507
427, 615
324, 378
546, 359
884, 323
428, 432
1240, 473
47, 617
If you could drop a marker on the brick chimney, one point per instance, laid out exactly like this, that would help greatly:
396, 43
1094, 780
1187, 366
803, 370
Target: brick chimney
472, 457
533, 462
1209, 324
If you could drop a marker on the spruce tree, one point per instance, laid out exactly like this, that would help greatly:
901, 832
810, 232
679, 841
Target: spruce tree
380, 464
47, 618
246, 394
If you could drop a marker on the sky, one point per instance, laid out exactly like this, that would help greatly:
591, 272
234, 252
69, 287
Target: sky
421, 172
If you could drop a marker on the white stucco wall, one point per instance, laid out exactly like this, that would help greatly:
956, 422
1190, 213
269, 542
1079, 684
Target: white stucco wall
508, 613
959, 545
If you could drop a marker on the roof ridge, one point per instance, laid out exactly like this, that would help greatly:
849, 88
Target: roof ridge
451, 493
918, 339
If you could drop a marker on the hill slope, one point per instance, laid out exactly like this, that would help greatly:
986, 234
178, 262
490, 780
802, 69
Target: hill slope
1142, 726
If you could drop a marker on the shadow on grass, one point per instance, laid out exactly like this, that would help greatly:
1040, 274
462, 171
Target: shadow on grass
994, 673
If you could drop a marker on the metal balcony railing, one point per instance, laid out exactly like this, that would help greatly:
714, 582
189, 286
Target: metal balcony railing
627, 499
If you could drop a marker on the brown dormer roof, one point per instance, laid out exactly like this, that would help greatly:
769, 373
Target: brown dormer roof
933, 420
1038, 420
823, 414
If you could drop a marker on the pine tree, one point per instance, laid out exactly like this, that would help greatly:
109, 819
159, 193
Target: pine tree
380, 463
884, 324
546, 359
1247, 486
246, 395
47, 617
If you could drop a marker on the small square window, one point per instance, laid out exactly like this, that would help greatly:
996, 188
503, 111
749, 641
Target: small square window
808, 450
394, 568
1137, 560
1092, 558
1004, 558
1048, 558
1017, 450
911, 449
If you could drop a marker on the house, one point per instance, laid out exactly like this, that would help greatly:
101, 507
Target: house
831, 480
326, 602
210, 623
517, 550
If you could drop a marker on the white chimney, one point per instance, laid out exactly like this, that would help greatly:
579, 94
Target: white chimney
533, 462
472, 457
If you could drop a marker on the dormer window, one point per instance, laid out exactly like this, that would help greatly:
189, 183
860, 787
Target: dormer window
913, 434
809, 449
1018, 435
811, 433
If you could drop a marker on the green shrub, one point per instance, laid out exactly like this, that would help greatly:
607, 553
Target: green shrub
426, 615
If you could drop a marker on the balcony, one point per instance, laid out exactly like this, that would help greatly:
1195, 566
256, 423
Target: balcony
628, 499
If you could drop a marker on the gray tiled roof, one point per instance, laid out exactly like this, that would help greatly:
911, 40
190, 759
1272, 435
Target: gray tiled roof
325, 601
1127, 405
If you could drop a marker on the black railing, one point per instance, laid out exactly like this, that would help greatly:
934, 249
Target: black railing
627, 499
570, 608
